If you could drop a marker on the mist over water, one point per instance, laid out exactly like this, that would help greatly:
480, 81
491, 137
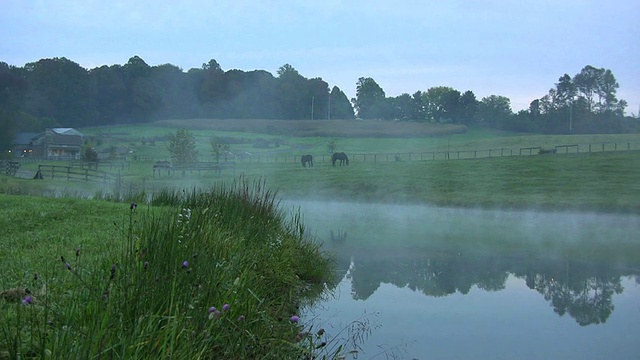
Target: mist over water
485, 284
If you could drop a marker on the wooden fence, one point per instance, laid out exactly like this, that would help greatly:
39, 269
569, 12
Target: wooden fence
72, 173
199, 167
456, 154
9, 167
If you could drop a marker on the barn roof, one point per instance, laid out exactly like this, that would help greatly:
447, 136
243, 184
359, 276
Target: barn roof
66, 131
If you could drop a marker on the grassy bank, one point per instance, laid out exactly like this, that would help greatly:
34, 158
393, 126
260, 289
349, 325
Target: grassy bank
195, 275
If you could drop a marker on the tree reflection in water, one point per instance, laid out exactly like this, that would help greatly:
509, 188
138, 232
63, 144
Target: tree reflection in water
582, 290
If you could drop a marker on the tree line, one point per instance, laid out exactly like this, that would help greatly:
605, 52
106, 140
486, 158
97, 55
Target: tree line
59, 92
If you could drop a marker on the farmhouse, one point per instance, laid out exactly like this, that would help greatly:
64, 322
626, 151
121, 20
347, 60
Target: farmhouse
52, 144
22, 144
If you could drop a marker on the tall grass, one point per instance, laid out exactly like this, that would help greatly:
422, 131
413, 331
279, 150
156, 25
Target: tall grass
216, 274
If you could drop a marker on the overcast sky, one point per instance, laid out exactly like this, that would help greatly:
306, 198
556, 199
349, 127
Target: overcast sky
516, 49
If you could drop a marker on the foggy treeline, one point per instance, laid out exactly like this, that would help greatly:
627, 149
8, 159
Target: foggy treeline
59, 92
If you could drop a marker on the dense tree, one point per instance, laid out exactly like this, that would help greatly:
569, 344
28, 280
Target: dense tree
182, 147
565, 91
468, 108
369, 100
212, 86
400, 108
418, 108
319, 93
143, 94
294, 98
58, 92
60, 88
111, 94
339, 105
586, 103
12, 91
176, 93
495, 110
442, 104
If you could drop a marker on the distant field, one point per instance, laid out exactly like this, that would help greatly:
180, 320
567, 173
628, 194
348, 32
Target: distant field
600, 181
271, 138
322, 128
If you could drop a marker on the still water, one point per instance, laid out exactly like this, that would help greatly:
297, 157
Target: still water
432, 283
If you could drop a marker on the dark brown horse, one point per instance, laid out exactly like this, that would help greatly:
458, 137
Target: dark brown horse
306, 159
341, 157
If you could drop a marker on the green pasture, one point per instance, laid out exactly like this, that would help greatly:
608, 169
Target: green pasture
599, 181
131, 138
603, 181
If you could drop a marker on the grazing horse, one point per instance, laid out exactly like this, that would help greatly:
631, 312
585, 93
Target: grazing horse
342, 157
306, 159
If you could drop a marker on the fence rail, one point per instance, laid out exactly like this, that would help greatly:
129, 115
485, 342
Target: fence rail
72, 173
455, 154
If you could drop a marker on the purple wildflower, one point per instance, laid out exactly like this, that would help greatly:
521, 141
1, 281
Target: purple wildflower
67, 265
185, 264
133, 205
212, 309
241, 318
146, 264
295, 319
225, 307
27, 300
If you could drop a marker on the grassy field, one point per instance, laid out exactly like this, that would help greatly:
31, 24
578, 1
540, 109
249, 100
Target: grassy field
599, 181
168, 309
195, 275
385, 137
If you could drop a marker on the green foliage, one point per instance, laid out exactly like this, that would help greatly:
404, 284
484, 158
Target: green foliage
369, 100
218, 147
182, 147
212, 275
89, 154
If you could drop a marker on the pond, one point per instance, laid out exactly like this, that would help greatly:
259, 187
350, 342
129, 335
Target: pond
434, 283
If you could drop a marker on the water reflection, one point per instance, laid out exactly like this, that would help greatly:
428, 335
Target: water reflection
460, 284
581, 290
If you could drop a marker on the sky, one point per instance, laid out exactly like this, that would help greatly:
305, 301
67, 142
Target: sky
513, 48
